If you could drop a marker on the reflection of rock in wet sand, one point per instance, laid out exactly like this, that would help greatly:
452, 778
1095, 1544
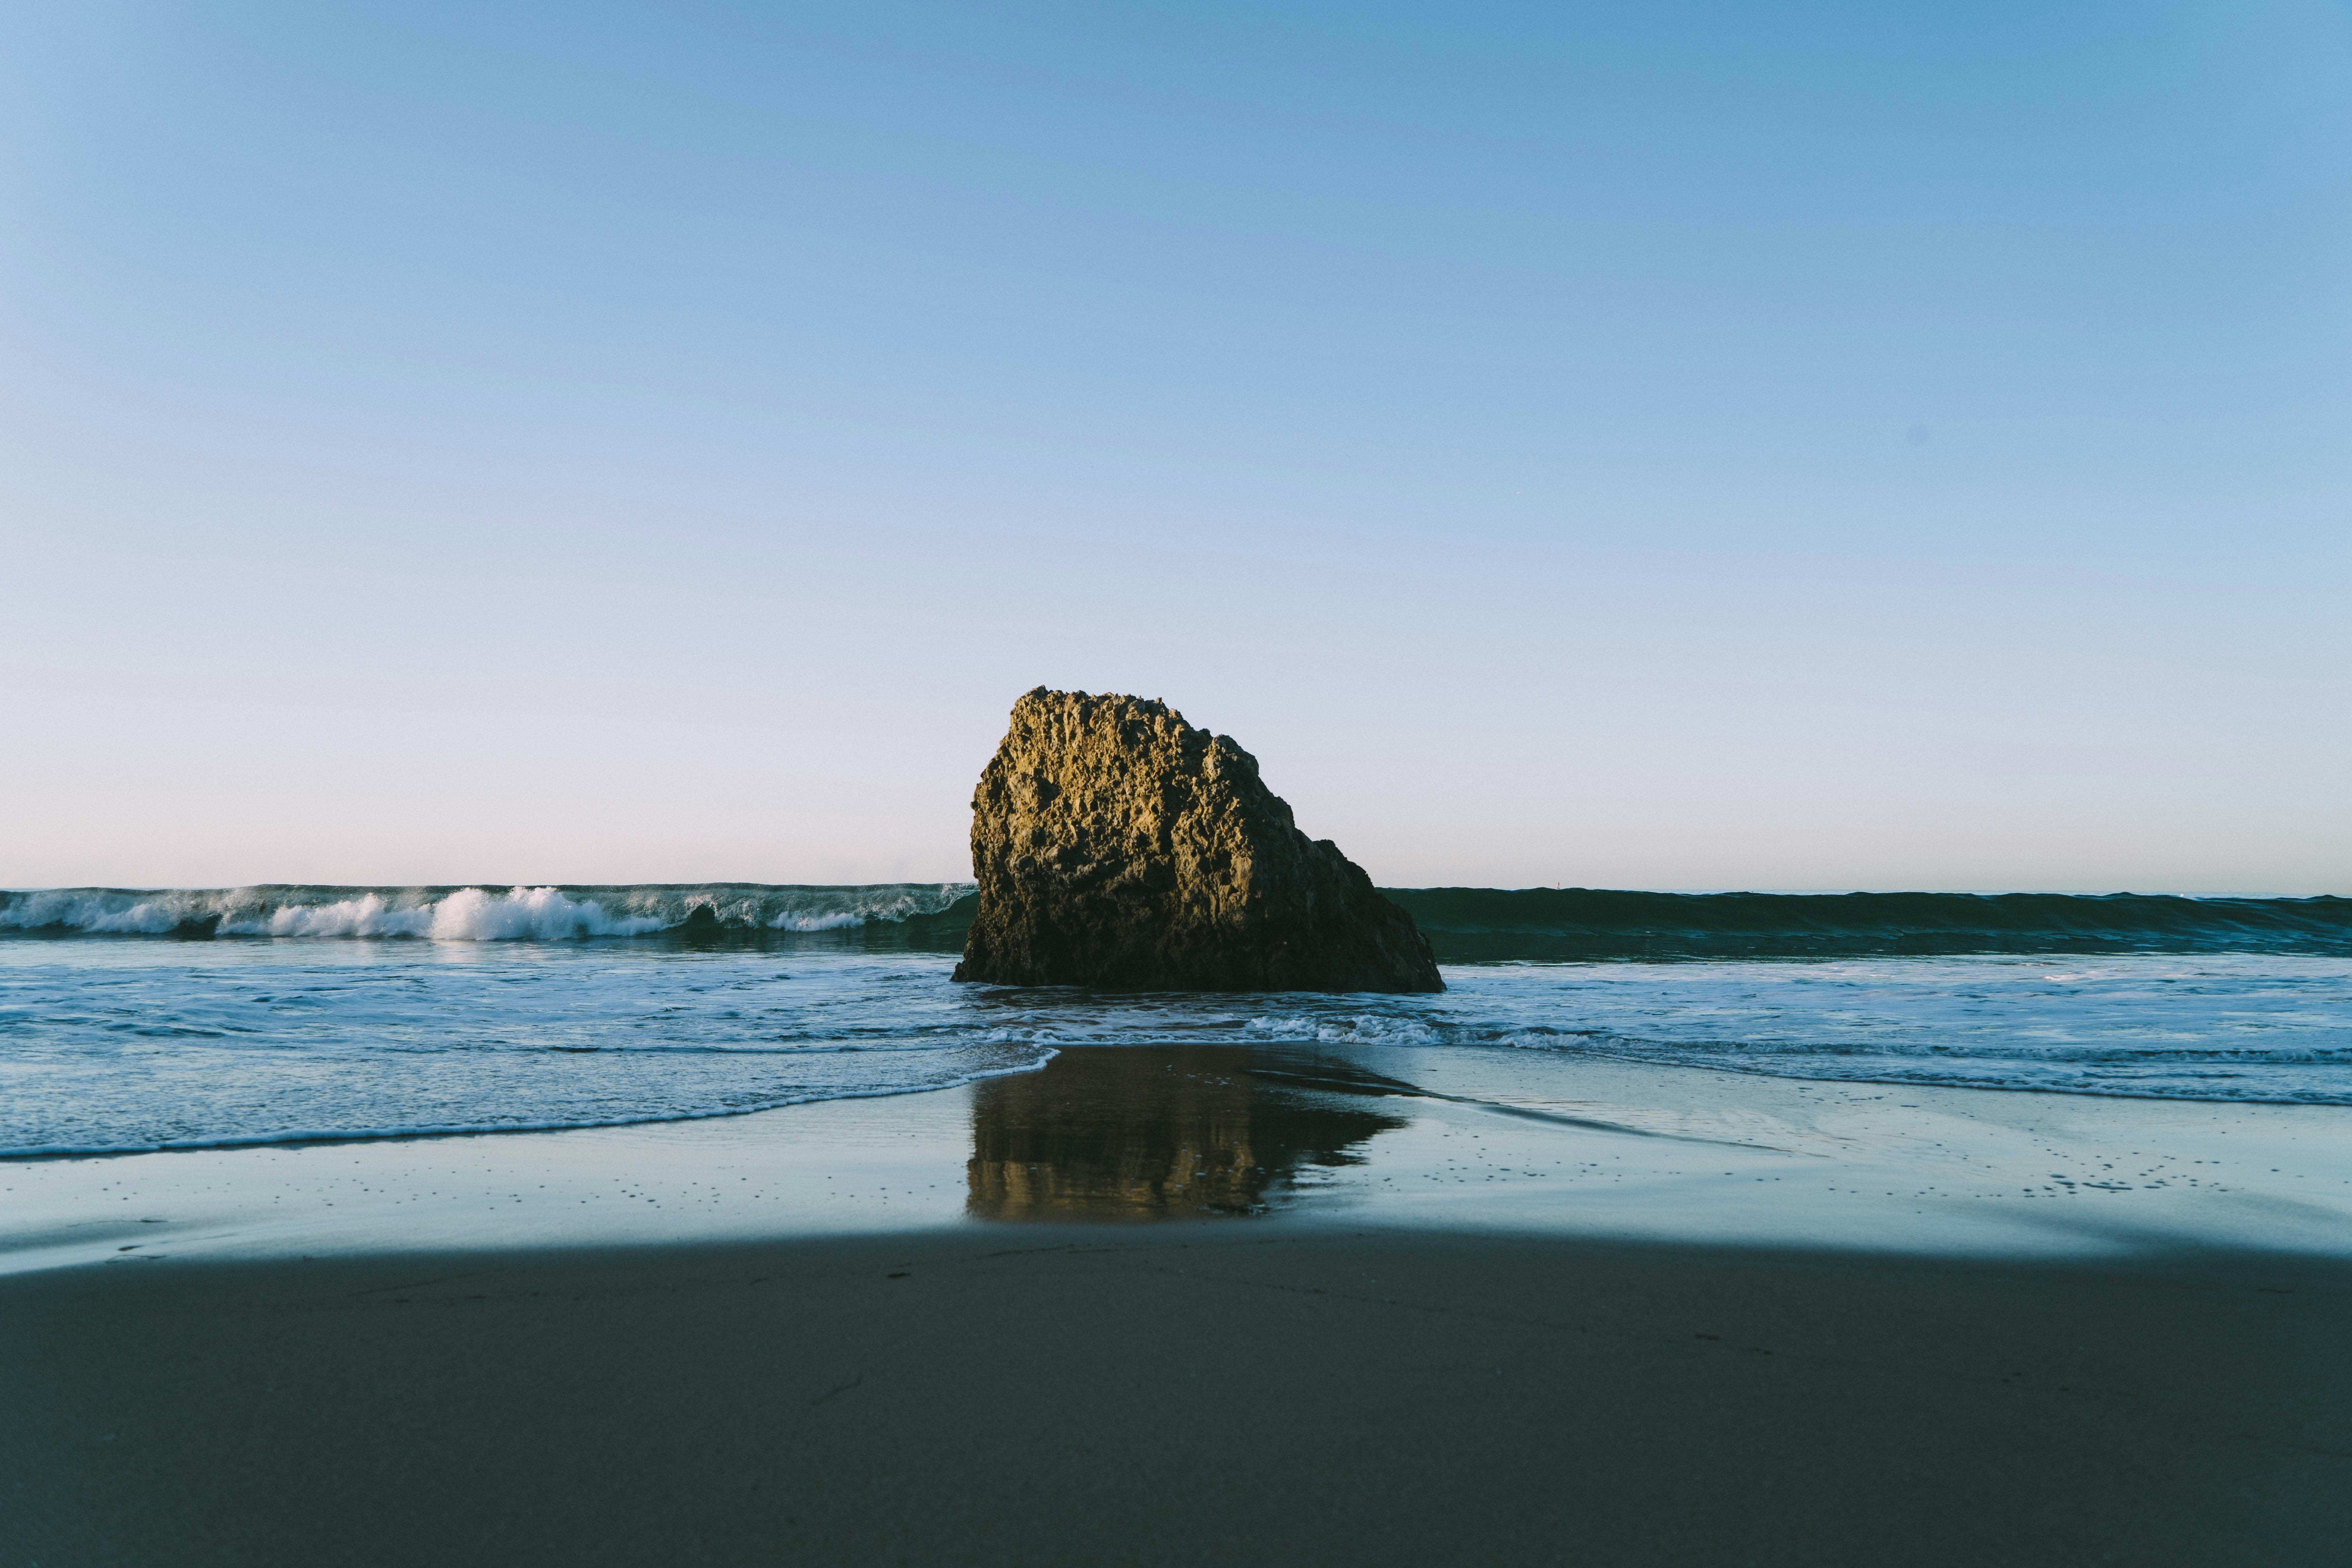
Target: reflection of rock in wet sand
1142, 1132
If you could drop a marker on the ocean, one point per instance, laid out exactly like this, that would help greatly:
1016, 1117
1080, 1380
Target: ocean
143, 1020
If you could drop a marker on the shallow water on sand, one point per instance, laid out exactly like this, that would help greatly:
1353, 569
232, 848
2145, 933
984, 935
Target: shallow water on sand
143, 1043
1276, 1135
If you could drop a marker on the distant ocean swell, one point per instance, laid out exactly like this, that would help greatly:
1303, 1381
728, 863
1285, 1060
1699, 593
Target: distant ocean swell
1472, 925
1466, 925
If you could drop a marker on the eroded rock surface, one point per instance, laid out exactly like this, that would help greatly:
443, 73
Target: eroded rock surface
1116, 845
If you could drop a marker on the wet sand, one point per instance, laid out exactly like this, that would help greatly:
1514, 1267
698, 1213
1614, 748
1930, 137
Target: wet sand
1277, 1392
1446, 1138
1197, 1305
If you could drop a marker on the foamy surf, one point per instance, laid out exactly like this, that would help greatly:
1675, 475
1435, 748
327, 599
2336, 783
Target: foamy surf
520, 913
117, 1047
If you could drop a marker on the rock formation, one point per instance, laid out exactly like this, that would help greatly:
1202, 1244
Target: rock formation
1116, 845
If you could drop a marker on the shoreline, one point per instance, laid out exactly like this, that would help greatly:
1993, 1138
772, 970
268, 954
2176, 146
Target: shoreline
439, 1134
518, 1129
1442, 1137
1159, 1304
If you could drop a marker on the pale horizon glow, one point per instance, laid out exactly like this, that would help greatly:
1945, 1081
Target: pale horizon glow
1680, 446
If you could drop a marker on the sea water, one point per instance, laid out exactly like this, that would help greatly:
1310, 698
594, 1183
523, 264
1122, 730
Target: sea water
147, 1020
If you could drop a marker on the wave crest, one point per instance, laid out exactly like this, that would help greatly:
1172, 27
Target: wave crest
548, 914
1465, 925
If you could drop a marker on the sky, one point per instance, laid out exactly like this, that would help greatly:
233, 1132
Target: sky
1664, 446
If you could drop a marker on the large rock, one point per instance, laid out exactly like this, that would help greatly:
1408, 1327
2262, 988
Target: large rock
1116, 845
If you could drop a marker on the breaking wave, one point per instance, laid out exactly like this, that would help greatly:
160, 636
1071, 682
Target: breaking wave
1465, 925
470, 913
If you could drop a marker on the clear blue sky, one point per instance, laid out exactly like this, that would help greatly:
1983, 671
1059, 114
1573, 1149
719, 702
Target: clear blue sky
1659, 445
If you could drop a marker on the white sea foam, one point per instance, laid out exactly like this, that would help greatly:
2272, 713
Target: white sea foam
369, 915
465, 914
469, 914
1347, 1029
837, 920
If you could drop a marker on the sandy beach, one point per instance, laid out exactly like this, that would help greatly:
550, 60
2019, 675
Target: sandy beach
1182, 1306
1179, 1394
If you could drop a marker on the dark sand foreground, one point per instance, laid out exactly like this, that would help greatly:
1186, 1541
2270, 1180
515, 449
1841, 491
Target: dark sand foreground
1243, 1391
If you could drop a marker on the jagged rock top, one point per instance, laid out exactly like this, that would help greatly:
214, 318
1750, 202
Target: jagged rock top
1116, 845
